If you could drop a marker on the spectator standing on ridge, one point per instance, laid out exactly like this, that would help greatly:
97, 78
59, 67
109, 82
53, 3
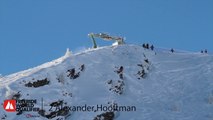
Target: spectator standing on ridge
147, 46
152, 47
172, 50
144, 46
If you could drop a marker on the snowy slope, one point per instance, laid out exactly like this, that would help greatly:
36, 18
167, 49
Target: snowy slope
176, 86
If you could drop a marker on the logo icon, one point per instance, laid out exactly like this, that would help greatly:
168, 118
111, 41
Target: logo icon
10, 105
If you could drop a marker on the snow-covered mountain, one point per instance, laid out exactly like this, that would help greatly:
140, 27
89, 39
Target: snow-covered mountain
140, 83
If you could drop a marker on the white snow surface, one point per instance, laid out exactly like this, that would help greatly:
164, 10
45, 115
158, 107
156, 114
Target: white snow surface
178, 86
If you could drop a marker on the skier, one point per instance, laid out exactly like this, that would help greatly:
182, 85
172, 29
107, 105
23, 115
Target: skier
201, 51
206, 51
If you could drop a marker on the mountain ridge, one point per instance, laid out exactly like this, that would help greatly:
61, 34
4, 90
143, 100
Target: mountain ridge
160, 94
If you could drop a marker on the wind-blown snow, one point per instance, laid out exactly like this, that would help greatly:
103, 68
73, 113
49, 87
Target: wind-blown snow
177, 86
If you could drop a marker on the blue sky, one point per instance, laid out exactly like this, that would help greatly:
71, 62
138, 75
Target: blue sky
33, 32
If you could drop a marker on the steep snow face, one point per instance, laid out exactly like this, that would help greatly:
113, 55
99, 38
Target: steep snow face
161, 85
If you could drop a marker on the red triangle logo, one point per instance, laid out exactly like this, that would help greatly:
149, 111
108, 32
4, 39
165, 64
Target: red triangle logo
10, 105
